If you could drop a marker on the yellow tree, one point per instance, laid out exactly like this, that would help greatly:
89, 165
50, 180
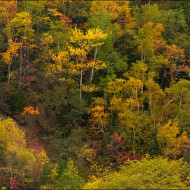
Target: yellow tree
119, 11
154, 95
74, 61
127, 103
7, 12
20, 160
9, 54
20, 29
170, 140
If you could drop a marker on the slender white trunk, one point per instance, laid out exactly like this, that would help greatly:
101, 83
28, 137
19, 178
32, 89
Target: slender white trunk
81, 77
9, 73
93, 67
20, 69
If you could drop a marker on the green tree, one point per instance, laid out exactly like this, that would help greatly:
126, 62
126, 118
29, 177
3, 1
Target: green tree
69, 178
156, 173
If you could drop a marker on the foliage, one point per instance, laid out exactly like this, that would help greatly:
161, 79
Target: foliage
156, 173
95, 84
70, 179
20, 160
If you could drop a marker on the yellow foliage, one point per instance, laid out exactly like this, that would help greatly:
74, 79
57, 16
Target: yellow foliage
116, 86
136, 83
42, 157
8, 8
77, 51
47, 187
117, 9
74, 58
12, 51
77, 35
54, 12
118, 104
90, 88
20, 160
46, 39
169, 139
93, 183
98, 116
94, 35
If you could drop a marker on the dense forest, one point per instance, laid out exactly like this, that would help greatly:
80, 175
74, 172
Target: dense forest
94, 94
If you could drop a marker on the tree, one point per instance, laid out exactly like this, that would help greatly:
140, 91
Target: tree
155, 173
70, 179
21, 32
79, 48
177, 104
9, 54
20, 161
170, 140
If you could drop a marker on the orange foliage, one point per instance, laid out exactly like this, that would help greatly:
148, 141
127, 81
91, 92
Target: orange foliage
12, 51
119, 10
9, 9
31, 110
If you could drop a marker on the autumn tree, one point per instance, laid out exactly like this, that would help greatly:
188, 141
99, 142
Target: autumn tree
78, 50
149, 173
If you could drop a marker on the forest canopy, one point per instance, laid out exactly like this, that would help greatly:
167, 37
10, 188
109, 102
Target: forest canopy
94, 94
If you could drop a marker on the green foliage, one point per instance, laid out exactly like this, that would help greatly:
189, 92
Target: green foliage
180, 100
12, 100
110, 81
20, 160
70, 179
20, 26
156, 173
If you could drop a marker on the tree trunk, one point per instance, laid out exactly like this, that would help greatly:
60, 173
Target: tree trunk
20, 69
9, 73
81, 76
93, 68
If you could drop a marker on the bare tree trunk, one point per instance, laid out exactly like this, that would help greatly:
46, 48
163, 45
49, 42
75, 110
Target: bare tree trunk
81, 77
20, 69
9, 73
93, 68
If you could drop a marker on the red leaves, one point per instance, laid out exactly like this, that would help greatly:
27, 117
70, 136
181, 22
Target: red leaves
116, 141
14, 183
97, 146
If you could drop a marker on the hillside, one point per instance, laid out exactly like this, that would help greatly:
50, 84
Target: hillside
94, 93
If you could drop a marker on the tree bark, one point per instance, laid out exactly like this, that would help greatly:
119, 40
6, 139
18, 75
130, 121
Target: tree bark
93, 68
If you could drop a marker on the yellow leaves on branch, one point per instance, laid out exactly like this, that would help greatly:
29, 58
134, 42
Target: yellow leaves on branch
24, 161
119, 11
170, 140
77, 35
98, 64
94, 35
31, 110
22, 19
154, 30
46, 39
77, 51
8, 8
54, 12
135, 83
168, 134
75, 56
12, 51
90, 88
62, 57
93, 38
98, 116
